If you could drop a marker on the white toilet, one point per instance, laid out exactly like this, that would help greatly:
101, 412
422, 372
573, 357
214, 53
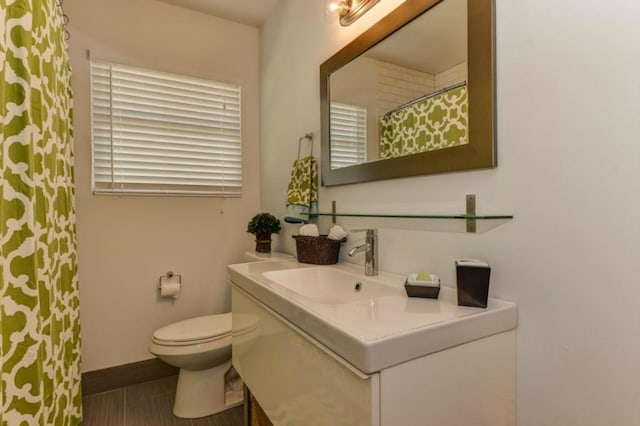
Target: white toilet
201, 348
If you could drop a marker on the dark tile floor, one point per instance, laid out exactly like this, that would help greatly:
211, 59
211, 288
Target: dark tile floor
147, 404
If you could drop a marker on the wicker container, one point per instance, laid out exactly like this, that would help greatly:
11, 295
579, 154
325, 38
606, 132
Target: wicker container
317, 250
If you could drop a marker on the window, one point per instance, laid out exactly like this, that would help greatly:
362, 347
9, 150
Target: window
348, 134
158, 133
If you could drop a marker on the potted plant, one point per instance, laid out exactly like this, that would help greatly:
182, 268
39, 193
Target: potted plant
262, 226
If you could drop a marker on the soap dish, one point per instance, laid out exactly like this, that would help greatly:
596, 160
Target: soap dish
429, 292
422, 285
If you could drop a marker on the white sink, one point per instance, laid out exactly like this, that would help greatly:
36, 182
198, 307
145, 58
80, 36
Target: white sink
329, 285
376, 327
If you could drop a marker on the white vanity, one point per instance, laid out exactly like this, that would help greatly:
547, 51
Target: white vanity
323, 350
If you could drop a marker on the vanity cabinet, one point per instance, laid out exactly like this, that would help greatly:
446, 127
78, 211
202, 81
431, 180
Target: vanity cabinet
296, 380
299, 381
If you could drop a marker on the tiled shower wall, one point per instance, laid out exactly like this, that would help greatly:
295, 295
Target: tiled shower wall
397, 85
453, 75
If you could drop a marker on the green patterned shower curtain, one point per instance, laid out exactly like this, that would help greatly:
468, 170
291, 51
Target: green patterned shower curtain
39, 314
437, 122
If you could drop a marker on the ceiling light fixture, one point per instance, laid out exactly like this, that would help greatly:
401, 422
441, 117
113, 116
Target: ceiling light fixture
349, 10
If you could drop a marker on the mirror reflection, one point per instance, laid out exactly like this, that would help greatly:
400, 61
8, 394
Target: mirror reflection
406, 95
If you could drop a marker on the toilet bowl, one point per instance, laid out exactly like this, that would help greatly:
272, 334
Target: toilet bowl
201, 348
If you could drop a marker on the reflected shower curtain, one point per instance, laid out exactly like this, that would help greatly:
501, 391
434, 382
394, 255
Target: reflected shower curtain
39, 315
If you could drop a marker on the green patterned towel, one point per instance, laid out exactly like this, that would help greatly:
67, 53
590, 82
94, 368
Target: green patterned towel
302, 193
434, 123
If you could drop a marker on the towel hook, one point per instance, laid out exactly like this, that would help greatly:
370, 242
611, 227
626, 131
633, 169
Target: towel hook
306, 136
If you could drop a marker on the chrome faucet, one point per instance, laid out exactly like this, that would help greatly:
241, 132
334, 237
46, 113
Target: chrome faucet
370, 247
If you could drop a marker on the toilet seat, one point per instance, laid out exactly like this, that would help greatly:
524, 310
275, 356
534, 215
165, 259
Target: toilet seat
200, 330
194, 331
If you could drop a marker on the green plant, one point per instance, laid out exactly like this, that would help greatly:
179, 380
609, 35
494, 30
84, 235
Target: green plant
263, 223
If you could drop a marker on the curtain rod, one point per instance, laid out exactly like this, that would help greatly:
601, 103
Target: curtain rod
423, 97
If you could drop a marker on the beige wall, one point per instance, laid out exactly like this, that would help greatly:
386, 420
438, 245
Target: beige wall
126, 243
569, 167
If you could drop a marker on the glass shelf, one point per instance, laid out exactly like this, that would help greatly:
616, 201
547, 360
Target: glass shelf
463, 222
417, 216
458, 223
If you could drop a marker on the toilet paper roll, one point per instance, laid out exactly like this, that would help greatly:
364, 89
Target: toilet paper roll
170, 289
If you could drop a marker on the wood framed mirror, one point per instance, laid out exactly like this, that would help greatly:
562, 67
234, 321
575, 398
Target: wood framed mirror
412, 95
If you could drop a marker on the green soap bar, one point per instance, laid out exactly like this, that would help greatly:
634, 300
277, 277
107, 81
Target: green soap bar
423, 276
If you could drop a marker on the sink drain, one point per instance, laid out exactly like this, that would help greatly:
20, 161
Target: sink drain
358, 286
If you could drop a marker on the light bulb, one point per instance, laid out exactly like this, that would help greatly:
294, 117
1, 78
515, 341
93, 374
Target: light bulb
336, 7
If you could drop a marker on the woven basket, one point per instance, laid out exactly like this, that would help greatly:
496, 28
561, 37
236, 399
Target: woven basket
317, 250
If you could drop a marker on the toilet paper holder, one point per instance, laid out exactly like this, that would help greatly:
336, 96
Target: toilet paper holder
168, 277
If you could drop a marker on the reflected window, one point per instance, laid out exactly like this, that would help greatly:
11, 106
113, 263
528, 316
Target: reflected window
348, 134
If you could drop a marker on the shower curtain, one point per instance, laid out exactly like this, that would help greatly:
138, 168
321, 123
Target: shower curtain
39, 315
437, 122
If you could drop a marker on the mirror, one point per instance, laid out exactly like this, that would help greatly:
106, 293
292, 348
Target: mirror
412, 95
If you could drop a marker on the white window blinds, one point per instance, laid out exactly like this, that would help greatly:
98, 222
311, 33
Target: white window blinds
158, 133
348, 134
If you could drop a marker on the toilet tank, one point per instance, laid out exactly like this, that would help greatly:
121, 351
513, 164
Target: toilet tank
252, 256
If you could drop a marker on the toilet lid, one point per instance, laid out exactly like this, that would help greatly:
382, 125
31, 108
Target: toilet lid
199, 328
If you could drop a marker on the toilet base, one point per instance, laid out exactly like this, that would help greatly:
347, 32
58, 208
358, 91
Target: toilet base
201, 393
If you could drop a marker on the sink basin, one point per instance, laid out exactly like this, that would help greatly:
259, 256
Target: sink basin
373, 328
330, 286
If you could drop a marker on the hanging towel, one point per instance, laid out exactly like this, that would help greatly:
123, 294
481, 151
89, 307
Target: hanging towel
302, 193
